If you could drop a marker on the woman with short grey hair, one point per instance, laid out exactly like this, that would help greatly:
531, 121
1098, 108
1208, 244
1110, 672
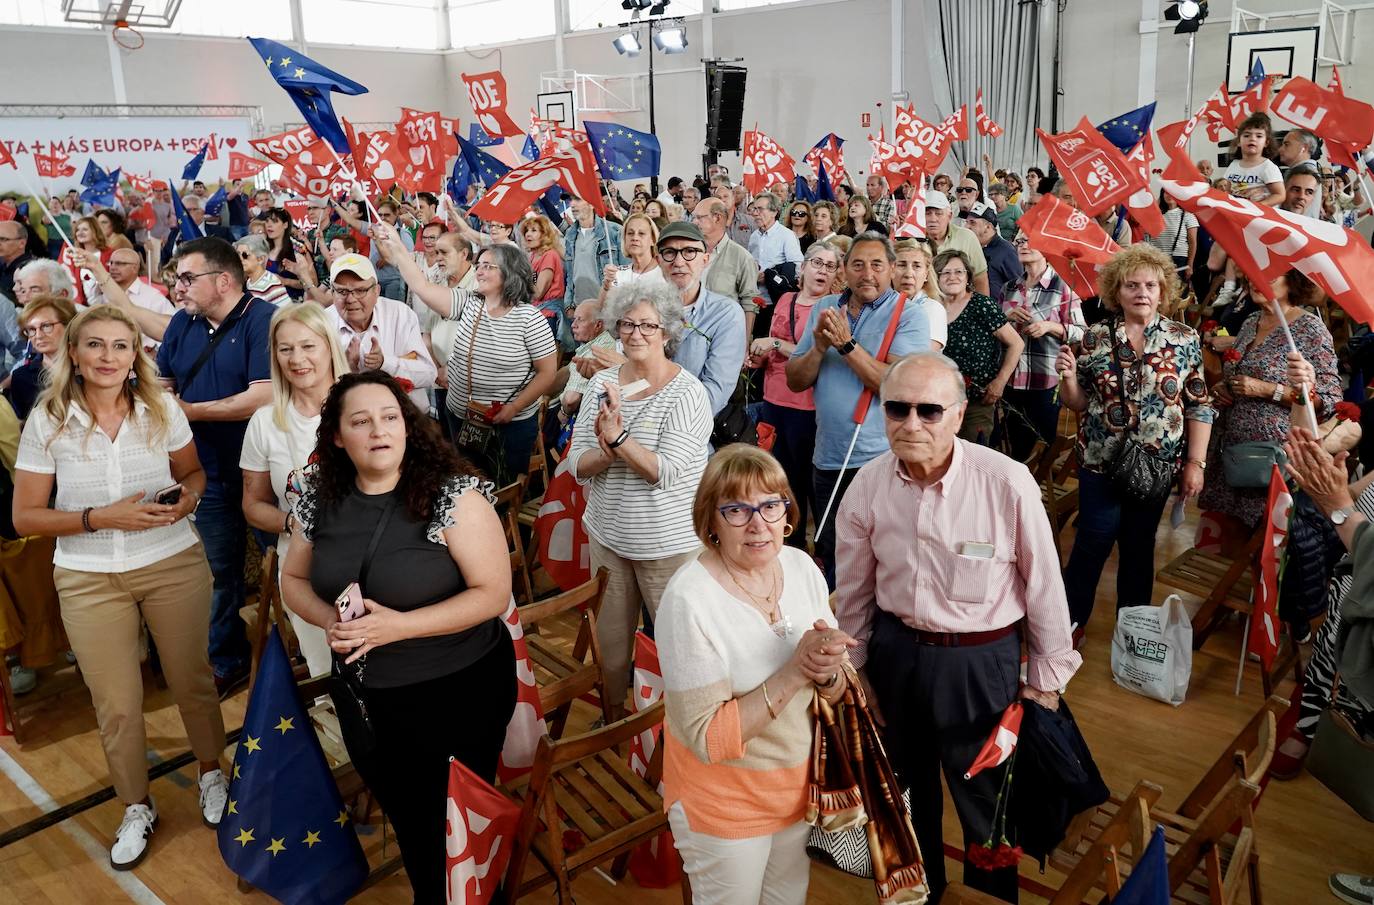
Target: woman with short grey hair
260, 282
640, 447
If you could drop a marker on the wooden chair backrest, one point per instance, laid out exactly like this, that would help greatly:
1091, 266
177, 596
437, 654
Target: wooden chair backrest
590, 593
1246, 757
557, 697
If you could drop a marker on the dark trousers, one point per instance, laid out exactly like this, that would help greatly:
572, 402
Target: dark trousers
1107, 518
824, 481
418, 728
1030, 415
794, 448
224, 533
941, 704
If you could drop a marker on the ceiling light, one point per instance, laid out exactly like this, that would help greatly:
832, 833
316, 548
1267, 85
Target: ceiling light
1188, 9
658, 8
627, 43
636, 4
671, 40
1189, 15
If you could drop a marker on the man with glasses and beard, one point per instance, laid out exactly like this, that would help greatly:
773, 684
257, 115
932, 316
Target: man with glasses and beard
966, 555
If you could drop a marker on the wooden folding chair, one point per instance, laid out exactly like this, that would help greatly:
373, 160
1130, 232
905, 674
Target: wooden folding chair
265, 612
566, 669
508, 502
1054, 471
582, 806
1101, 864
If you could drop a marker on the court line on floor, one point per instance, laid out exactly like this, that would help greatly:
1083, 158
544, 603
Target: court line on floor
132, 886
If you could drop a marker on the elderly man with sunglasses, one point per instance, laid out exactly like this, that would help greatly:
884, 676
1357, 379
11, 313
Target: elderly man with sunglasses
945, 556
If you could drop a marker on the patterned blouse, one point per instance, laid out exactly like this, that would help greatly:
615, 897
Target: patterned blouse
1163, 391
972, 344
1050, 298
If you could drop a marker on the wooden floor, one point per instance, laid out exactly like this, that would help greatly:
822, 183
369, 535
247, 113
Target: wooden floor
1304, 831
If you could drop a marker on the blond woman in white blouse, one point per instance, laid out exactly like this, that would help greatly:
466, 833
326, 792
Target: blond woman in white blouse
112, 440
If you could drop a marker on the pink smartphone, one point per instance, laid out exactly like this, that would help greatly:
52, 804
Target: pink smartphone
350, 603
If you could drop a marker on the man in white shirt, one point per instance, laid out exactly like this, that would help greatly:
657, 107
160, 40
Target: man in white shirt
123, 267
772, 243
377, 332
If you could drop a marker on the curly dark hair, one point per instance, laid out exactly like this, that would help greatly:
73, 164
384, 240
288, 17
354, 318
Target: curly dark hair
429, 460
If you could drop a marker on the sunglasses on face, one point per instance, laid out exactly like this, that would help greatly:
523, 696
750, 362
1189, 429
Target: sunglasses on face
799, 213
928, 412
966, 190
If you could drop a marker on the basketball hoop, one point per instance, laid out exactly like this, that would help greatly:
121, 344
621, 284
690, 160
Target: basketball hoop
126, 36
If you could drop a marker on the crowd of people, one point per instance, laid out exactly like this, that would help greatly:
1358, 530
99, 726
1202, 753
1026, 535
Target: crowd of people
353, 393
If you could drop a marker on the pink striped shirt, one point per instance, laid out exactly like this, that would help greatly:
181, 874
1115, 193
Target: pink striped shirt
898, 546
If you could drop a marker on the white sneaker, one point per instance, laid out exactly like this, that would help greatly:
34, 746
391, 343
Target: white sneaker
131, 839
214, 793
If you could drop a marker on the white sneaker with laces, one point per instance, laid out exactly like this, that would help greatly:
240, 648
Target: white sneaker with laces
214, 792
1352, 888
131, 839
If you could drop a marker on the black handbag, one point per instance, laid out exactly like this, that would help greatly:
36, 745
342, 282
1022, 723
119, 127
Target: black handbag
733, 424
1137, 472
346, 679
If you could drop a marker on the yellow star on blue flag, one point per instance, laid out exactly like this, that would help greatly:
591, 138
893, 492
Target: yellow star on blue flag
1126, 130
311, 86
623, 152
282, 791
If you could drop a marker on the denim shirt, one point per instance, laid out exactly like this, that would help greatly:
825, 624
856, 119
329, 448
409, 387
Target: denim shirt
713, 345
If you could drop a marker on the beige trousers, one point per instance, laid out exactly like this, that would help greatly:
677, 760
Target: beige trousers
103, 613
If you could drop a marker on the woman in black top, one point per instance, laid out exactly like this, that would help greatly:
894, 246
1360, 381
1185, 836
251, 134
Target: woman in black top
437, 664
283, 257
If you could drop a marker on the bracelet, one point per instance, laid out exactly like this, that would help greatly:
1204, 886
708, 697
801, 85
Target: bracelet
767, 703
618, 441
1200, 463
834, 677
86, 519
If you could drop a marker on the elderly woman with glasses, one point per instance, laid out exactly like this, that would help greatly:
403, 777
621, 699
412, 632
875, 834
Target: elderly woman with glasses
260, 282
745, 636
640, 447
981, 342
44, 323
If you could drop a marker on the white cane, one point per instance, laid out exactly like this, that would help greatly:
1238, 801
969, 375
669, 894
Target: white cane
835, 491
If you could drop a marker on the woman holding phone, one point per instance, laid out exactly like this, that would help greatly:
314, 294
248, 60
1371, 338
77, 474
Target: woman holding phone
118, 449
395, 534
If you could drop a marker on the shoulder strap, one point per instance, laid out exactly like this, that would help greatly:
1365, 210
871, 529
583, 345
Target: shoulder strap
229, 323
366, 564
866, 397
791, 300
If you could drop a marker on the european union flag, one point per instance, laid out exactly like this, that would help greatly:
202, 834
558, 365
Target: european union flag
1256, 75
310, 86
530, 151
1126, 131
801, 191
101, 192
93, 174
479, 137
622, 152
285, 829
192, 169
216, 201
1148, 883
459, 180
186, 227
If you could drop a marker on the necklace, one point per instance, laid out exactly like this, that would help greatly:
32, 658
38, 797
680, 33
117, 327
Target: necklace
767, 603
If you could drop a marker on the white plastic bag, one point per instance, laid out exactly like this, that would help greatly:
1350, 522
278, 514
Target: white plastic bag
1152, 650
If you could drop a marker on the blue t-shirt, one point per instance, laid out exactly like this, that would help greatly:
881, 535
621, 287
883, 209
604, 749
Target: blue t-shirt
242, 357
838, 387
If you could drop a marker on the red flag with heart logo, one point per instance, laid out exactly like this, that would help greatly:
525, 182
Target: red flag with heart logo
143, 216
1207, 538
1344, 123
312, 171
1216, 112
142, 184
828, 152
1092, 166
487, 94
241, 166
377, 159
765, 162
1070, 240
986, 125
480, 837
53, 165
448, 131
917, 146
1252, 100
507, 200
526, 724
956, 124
7, 158
890, 164
1264, 624
913, 225
1265, 242
562, 541
561, 138
1143, 205
654, 864
282, 147
422, 147
1174, 137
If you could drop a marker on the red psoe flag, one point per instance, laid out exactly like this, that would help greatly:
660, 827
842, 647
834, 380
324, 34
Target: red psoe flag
241, 166
564, 549
1142, 205
829, 152
654, 864
1265, 242
1345, 124
6, 158
526, 724
956, 124
1070, 240
448, 131
986, 126
1264, 625
487, 94
1252, 100
888, 163
917, 146
765, 162
1002, 742
481, 832
421, 146
913, 225
1092, 166
508, 199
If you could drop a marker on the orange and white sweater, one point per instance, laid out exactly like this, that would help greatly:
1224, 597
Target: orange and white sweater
713, 648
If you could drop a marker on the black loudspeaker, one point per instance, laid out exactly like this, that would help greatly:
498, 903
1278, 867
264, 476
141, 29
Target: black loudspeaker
724, 106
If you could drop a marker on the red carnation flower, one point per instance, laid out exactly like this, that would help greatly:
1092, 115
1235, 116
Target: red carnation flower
1232, 355
1209, 325
1348, 411
405, 383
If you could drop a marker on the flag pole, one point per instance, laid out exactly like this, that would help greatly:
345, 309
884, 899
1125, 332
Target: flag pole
353, 178
1303, 401
37, 196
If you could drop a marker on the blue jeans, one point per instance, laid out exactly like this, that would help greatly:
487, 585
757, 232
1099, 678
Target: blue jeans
223, 531
1106, 518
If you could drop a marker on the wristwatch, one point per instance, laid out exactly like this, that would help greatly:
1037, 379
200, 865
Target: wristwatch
847, 347
1278, 392
777, 344
1339, 516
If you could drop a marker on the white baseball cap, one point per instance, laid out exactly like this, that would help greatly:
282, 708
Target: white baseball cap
352, 263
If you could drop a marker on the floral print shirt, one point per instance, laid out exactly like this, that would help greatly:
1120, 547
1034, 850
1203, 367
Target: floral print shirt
1163, 390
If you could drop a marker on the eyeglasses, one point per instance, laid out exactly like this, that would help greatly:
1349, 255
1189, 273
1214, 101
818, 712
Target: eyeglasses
349, 294
486, 265
187, 278
824, 266
928, 412
947, 272
741, 514
646, 329
43, 328
688, 254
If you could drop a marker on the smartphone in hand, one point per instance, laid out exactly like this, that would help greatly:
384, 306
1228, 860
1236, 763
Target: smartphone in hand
168, 496
349, 603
